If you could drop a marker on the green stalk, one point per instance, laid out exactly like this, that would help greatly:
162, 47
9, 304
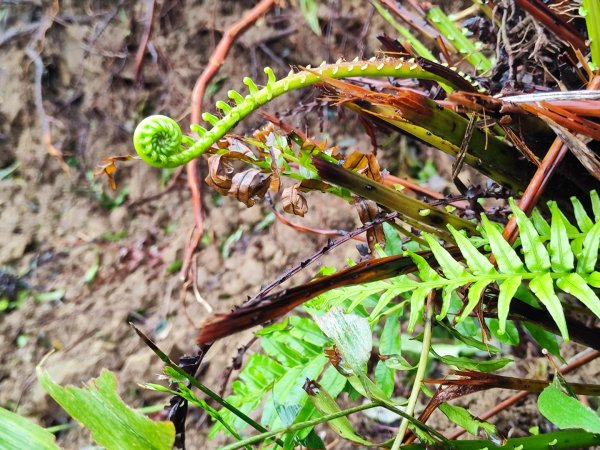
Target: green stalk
299, 426
194, 382
558, 440
415, 212
158, 140
460, 42
592, 21
416, 389
418, 47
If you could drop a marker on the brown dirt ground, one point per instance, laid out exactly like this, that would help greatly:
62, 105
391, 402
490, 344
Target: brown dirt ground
53, 225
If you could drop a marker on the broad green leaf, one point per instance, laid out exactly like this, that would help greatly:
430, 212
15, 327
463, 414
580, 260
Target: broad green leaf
540, 224
567, 412
595, 205
417, 304
389, 342
507, 259
577, 247
464, 419
581, 216
447, 292
470, 341
536, 256
398, 362
426, 273
586, 262
369, 389
384, 378
593, 279
250, 389
473, 296
576, 286
280, 351
112, 423
326, 405
288, 395
351, 335
464, 363
478, 263
393, 241
544, 338
560, 248
543, 289
469, 327
571, 229
269, 329
19, 433
507, 292
311, 441
511, 334
451, 267
333, 382
307, 330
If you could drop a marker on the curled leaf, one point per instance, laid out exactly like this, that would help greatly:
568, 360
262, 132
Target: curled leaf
110, 167
248, 185
294, 201
367, 211
337, 361
218, 174
365, 164
263, 133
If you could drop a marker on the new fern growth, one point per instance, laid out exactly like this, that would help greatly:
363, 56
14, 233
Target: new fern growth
159, 142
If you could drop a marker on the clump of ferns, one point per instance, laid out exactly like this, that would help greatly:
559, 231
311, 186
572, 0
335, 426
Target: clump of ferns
552, 260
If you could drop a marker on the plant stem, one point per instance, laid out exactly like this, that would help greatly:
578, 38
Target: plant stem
298, 426
416, 389
194, 382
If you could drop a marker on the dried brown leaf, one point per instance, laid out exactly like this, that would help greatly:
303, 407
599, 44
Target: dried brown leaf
294, 201
337, 361
586, 156
365, 164
235, 145
110, 167
218, 174
263, 133
249, 185
367, 211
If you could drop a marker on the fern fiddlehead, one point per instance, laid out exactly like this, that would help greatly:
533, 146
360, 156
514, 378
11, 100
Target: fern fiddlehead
173, 154
157, 138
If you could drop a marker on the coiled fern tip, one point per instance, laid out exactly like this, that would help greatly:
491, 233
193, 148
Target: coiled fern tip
157, 139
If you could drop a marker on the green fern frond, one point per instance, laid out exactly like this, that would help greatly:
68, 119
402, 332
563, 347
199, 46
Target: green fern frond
273, 379
549, 259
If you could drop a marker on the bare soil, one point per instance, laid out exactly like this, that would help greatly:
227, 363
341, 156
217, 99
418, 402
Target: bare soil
54, 228
55, 224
